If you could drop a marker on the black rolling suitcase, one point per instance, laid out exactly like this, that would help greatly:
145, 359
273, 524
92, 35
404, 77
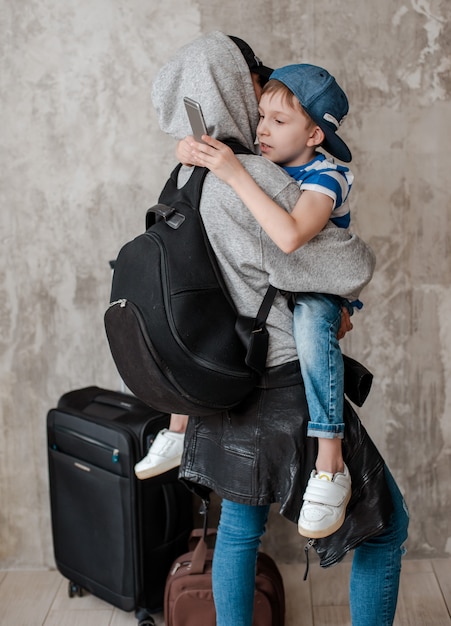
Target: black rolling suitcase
113, 535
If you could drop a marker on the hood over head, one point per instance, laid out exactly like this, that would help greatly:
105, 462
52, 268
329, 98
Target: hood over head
212, 71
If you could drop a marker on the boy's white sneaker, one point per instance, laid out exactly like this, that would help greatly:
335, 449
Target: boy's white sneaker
164, 454
325, 501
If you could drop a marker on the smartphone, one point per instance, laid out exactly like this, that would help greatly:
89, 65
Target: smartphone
196, 118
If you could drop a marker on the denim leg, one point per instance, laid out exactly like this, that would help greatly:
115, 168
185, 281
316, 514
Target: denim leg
317, 318
376, 568
234, 562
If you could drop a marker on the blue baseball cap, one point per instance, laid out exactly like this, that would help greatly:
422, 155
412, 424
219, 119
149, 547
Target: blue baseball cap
322, 98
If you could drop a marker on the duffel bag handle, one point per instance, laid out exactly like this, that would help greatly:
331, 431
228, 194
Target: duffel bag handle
200, 533
198, 557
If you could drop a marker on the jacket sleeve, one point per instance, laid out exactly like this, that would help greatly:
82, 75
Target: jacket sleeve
335, 261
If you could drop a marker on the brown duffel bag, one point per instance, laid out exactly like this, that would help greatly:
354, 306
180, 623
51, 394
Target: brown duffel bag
188, 598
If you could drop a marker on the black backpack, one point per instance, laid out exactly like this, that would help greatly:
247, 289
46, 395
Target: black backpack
173, 330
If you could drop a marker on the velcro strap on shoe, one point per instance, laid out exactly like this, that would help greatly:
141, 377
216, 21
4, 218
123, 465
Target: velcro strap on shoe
325, 492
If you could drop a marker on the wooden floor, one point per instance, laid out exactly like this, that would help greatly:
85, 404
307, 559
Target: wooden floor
40, 598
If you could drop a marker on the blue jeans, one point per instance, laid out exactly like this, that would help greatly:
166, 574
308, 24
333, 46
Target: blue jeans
317, 318
375, 570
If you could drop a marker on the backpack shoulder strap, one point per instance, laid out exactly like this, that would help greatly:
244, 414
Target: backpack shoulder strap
194, 184
265, 307
191, 191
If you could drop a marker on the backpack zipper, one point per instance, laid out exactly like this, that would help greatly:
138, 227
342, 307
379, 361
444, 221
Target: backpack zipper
122, 302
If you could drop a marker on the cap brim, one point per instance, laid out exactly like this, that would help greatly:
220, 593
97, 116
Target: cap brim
335, 146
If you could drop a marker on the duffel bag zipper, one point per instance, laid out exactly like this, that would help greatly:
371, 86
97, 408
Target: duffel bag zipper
178, 565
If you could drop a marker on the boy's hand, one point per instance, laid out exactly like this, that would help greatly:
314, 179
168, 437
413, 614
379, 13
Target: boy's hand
346, 324
218, 157
183, 151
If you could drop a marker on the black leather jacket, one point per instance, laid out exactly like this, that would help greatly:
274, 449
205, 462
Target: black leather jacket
259, 453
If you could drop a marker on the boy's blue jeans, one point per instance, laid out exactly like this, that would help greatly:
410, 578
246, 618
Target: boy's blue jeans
374, 577
317, 319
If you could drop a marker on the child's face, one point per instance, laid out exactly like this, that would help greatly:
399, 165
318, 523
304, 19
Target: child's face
284, 133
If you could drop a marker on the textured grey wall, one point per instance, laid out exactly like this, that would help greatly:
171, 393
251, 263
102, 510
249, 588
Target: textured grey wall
82, 158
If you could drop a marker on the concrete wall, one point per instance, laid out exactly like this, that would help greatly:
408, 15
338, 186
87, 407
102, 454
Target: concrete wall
82, 158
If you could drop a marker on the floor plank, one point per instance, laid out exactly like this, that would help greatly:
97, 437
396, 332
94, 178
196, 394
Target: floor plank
80, 618
25, 597
330, 585
87, 602
442, 570
298, 604
331, 616
121, 618
40, 598
90, 605
409, 566
420, 601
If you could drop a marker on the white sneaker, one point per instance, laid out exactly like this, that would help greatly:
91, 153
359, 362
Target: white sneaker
164, 454
325, 501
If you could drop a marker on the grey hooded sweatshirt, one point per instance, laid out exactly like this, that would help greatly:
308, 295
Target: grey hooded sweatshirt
212, 71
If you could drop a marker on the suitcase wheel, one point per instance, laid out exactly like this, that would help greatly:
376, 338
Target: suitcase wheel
74, 590
144, 617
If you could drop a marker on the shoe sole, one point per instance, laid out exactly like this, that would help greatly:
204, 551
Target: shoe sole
325, 532
162, 468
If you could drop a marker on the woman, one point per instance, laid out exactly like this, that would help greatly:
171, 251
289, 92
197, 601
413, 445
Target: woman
259, 453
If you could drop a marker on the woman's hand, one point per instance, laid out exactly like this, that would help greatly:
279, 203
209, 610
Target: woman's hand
217, 156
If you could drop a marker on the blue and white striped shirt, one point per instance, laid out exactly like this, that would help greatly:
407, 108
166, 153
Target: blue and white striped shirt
321, 174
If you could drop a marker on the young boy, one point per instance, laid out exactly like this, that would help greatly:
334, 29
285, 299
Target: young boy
301, 109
